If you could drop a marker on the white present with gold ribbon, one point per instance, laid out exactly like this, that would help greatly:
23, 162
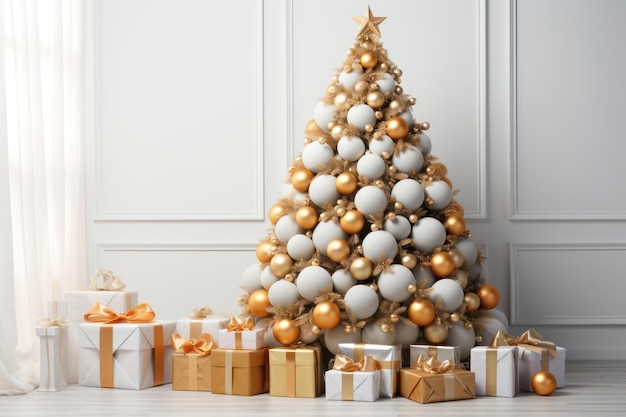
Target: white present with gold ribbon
496, 370
388, 356
353, 381
53, 353
202, 321
241, 334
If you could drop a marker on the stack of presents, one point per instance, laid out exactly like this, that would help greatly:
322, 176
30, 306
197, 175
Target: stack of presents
102, 337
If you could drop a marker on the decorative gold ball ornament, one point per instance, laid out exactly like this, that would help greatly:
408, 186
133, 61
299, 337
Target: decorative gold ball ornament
375, 99
338, 250
346, 183
543, 382
409, 260
258, 302
435, 333
413, 218
394, 318
361, 86
460, 276
396, 105
459, 259
276, 212
458, 208
384, 327
472, 301
264, 251
315, 330
306, 217
352, 222
421, 311
437, 168
361, 268
281, 264
397, 128
286, 332
326, 315
347, 328
424, 125
301, 179
312, 130
337, 132
489, 296
442, 264
369, 60
341, 100
455, 224
454, 317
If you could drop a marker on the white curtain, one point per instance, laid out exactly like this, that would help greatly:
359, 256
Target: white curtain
41, 70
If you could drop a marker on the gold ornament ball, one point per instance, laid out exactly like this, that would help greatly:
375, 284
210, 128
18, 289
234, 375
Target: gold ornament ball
421, 312
352, 222
409, 260
301, 179
346, 183
326, 315
543, 382
460, 276
276, 212
454, 317
361, 86
306, 217
286, 332
455, 224
442, 264
472, 301
264, 251
459, 259
341, 100
437, 168
281, 264
361, 268
337, 250
425, 126
435, 333
489, 296
369, 60
258, 302
396, 105
397, 128
459, 208
312, 129
375, 99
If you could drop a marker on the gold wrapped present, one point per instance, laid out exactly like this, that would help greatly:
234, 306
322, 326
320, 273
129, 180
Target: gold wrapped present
430, 381
388, 356
191, 363
238, 372
353, 381
241, 334
296, 371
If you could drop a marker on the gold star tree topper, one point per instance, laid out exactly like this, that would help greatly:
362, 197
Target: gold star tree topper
368, 24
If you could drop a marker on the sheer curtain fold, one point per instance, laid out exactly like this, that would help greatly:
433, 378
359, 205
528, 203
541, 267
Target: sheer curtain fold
42, 71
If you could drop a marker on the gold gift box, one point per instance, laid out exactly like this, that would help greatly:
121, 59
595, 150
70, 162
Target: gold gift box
191, 372
296, 372
238, 372
425, 387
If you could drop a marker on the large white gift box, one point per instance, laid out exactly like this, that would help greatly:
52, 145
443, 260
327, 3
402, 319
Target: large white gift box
125, 355
352, 386
441, 353
53, 357
531, 362
388, 356
496, 370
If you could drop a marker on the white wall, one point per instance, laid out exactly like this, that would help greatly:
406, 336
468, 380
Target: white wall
197, 108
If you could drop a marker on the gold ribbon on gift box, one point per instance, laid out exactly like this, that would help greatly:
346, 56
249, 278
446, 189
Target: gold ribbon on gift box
141, 313
346, 365
531, 340
201, 347
104, 280
359, 352
61, 322
237, 325
195, 323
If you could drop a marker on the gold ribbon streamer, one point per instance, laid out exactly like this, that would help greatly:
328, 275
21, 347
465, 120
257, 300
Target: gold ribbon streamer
159, 355
290, 378
202, 345
449, 390
99, 313
228, 372
530, 339
344, 363
431, 365
491, 377
109, 281
347, 386
237, 325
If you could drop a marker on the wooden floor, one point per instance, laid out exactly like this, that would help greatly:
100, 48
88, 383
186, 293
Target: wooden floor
592, 389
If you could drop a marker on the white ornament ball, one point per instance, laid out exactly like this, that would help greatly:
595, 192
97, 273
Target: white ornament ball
409, 192
312, 280
393, 284
372, 333
489, 326
399, 227
326, 231
343, 281
440, 193
370, 200
499, 315
337, 335
424, 277
428, 233
408, 116
349, 79
286, 228
323, 190
350, 148
324, 114
268, 278
468, 249
283, 293
381, 145
371, 166
450, 293
251, 279
409, 159
268, 337
461, 336
425, 144
361, 115
300, 247
362, 301
379, 243
315, 156
406, 334
387, 84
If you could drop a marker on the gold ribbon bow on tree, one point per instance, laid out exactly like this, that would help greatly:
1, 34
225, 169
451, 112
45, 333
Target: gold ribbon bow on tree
202, 345
201, 312
344, 363
48, 322
104, 280
431, 365
99, 313
236, 325
530, 339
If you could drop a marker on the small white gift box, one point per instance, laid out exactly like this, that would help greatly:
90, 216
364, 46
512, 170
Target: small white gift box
193, 327
441, 353
352, 386
531, 362
241, 339
53, 357
388, 356
495, 369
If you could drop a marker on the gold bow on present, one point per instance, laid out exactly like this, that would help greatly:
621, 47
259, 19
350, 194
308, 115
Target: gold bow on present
99, 313
109, 281
431, 365
344, 363
48, 322
530, 339
202, 345
201, 312
236, 325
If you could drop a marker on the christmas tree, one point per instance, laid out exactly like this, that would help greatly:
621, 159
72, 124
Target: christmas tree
369, 244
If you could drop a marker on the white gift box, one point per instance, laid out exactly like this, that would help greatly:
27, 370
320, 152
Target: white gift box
78, 303
388, 356
359, 386
532, 362
129, 354
496, 370
441, 353
193, 327
53, 357
245, 339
